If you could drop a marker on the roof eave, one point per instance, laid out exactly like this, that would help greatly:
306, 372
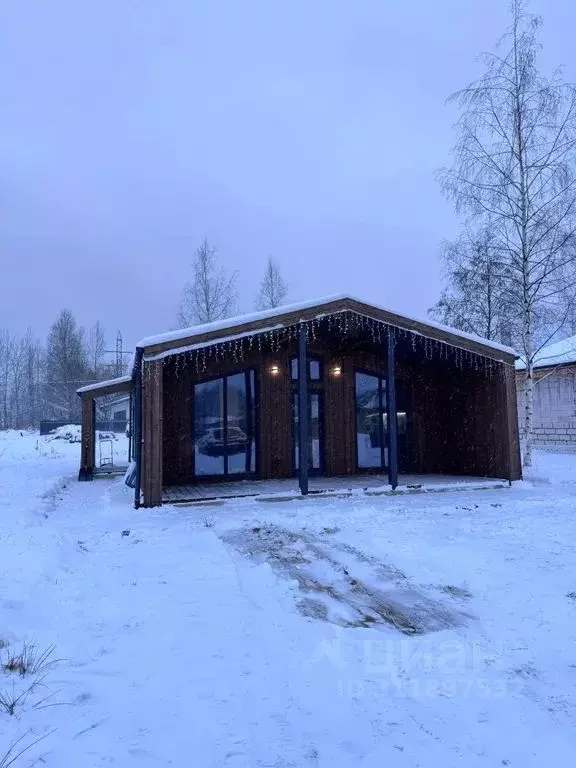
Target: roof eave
123, 384
337, 304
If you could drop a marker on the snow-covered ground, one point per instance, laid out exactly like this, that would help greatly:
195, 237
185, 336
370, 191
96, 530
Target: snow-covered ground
434, 630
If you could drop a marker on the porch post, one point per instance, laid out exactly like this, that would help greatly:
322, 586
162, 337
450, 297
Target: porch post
511, 425
302, 409
137, 426
88, 449
130, 425
392, 417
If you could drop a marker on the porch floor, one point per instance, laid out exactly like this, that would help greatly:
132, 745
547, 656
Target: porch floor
110, 469
287, 488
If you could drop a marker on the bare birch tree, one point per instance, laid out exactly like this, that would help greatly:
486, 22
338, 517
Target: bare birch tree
20, 372
18, 385
7, 349
212, 293
514, 164
474, 300
273, 288
66, 366
33, 372
96, 348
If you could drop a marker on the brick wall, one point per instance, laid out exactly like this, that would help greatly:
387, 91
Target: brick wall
554, 406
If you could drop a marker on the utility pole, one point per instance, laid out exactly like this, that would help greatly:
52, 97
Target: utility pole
117, 367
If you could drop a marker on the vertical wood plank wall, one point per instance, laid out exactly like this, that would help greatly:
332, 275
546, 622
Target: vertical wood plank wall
512, 417
460, 421
152, 433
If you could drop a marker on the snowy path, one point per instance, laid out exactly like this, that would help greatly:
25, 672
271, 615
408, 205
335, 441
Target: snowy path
181, 648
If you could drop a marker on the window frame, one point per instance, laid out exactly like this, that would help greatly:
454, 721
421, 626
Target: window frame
382, 409
252, 417
309, 359
319, 393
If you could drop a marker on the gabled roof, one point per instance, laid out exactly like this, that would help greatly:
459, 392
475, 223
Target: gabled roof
260, 322
558, 353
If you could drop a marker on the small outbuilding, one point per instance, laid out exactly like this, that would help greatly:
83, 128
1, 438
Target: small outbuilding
554, 408
332, 389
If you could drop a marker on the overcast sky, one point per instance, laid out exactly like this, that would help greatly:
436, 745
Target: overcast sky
304, 129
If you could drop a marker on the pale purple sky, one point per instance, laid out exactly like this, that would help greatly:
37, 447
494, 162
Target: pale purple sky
304, 129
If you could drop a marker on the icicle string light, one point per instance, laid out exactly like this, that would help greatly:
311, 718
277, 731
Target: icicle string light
344, 325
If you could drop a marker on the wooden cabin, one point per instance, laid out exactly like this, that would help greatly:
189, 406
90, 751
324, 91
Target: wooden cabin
306, 391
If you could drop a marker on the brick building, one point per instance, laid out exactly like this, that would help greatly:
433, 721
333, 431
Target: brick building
554, 394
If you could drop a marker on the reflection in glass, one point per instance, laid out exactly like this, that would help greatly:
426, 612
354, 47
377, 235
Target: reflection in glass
314, 431
369, 433
209, 445
314, 369
237, 419
224, 425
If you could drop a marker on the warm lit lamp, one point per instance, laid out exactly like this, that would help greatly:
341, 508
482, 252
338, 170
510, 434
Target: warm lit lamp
274, 370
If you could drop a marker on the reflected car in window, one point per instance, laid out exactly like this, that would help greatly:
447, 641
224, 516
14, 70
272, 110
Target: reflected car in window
213, 443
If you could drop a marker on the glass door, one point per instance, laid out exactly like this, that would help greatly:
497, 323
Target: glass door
224, 426
315, 433
371, 428
372, 423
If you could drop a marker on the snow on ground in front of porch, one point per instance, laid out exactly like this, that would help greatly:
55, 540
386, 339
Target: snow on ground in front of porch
432, 631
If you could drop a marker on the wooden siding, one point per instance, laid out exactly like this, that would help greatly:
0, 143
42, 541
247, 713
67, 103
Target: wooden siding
275, 415
460, 422
515, 465
152, 433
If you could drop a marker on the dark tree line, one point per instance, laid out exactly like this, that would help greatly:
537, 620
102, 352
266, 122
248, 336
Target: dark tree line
39, 381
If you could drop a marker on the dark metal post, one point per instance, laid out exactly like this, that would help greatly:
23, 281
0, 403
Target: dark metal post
138, 424
88, 440
303, 409
392, 417
130, 426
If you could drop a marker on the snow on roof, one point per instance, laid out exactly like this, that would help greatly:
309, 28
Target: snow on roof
558, 353
104, 384
204, 344
231, 322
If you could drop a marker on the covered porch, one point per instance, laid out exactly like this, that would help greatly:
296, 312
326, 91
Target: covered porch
107, 446
285, 489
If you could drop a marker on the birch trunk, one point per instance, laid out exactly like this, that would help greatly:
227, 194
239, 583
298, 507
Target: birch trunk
528, 417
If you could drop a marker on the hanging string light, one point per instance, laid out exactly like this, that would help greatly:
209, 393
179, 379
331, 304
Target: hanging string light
342, 324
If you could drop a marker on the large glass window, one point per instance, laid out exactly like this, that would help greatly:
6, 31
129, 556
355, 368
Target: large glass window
372, 423
370, 413
224, 425
315, 436
314, 369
